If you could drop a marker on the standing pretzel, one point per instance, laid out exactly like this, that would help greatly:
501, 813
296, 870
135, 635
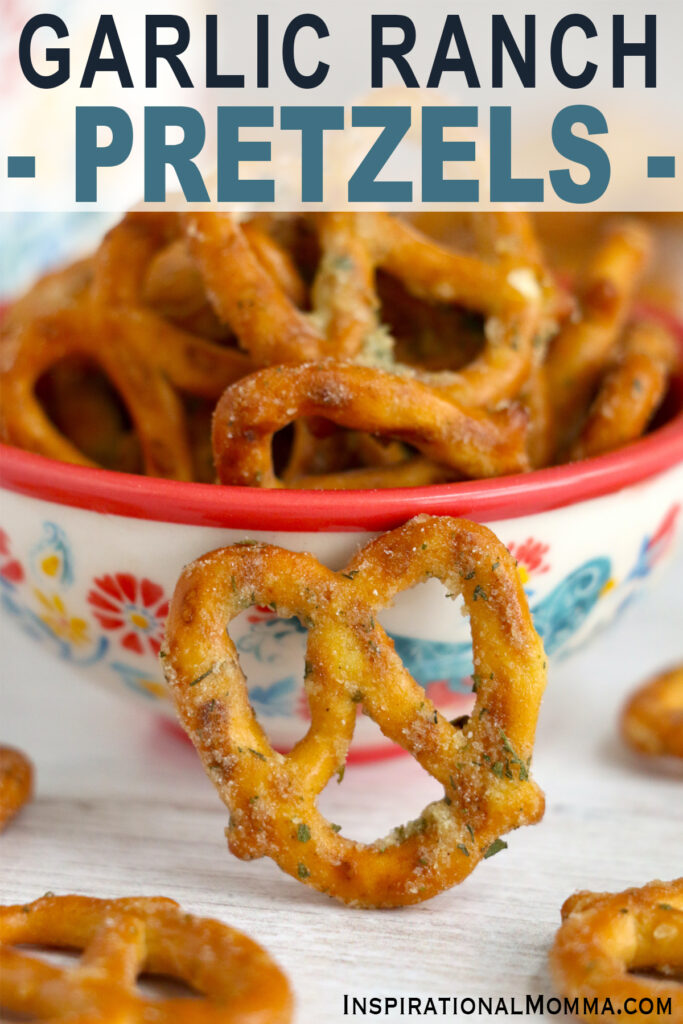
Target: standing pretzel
483, 764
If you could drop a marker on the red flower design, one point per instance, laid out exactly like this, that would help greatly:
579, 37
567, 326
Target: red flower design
135, 609
530, 556
10, 569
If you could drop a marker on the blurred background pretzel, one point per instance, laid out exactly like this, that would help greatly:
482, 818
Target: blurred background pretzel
16, 783
236, 980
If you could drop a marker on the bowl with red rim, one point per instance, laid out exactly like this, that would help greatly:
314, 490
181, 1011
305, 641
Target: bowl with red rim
89, 559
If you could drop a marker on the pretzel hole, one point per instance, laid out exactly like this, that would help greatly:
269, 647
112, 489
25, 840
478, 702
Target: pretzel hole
336, 450
81, 403
431, 336
272, 655
660, 972
56, 956
443, 669
671, 404
363, 805
165, 986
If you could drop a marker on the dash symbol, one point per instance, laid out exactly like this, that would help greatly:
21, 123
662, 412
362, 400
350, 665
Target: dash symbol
21, 167
661, 167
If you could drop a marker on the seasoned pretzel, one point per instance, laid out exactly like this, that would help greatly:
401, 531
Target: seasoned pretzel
175, 288
510, 236
155, 408
145, 357
605, 937
652, 720
16, 783
121, 939
272, 329
510, 297
631, 391
471, 442
483, 764
269, 325
578, 356
173, 308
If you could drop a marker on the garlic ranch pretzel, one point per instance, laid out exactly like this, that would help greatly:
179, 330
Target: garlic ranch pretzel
470, 441
482, 763
16, 783
584, 347
263, 316
652, 720
510, 298
145, 357
344, 317
606, 937
119, 360
631, 391
237, 981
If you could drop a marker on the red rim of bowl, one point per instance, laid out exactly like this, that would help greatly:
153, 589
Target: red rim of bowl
252, 509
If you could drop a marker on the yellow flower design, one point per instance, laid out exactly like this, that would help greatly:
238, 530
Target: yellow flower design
56, 617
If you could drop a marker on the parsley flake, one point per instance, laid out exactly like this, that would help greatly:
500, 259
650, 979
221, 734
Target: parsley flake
496, 846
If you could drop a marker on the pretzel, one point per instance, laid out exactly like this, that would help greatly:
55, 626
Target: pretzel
16, 783
652, 720
580, 353
272, 329
172, 309
265, 319
631, 392
471, 442
174, 286
510, 297
121, 939
607, 936
145, 357
483, 763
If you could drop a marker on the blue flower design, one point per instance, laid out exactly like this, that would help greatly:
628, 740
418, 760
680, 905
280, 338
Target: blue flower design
559, 615
275, 699
264, 639
427, 660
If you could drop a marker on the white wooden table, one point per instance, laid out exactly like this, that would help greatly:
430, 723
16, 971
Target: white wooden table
123, 808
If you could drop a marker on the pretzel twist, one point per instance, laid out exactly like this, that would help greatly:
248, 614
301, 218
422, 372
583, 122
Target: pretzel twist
250, 412
631, 391
263, 316
482, 765
16, 783
145, 357
652, 720
607, 936
237, 980
583, 349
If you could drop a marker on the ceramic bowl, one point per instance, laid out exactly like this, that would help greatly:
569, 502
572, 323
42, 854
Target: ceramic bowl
89, 560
